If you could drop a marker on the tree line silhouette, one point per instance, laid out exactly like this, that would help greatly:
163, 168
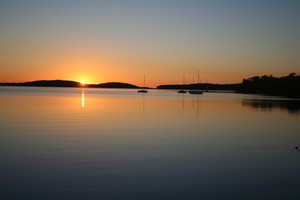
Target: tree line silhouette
282, 86
200, 86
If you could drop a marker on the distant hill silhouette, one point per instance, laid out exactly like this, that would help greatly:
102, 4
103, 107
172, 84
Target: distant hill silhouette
64, 83
283, 86
46, 83
113, 85
200, 86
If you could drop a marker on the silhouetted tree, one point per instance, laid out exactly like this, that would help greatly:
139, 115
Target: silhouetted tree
286, 85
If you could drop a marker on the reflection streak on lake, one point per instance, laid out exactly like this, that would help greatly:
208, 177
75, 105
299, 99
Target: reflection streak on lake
74, 143
82, 99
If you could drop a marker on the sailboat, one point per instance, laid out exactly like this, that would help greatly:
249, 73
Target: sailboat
196, 91
143, 90
182, 91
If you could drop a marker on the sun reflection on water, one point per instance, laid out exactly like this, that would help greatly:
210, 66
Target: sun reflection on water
82, 98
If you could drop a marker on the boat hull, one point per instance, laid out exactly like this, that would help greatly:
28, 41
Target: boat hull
142, 91
195, 92
182, 91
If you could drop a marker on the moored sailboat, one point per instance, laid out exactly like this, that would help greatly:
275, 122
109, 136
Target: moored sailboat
143, 90
182, 90
197, 91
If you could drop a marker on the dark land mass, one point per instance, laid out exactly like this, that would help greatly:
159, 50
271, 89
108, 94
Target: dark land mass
288, 86
201, 86
113, 85
63, 83
46, 83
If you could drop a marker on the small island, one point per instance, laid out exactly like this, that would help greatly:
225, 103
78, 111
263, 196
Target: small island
112, 85
66, 83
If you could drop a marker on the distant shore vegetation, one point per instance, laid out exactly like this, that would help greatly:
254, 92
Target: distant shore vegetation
267, 84
200, 86
270, 85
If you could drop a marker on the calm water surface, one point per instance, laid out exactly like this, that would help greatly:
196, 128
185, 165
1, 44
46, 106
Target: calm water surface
73, 143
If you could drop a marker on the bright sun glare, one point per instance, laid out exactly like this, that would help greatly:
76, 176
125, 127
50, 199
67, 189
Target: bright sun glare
83, 82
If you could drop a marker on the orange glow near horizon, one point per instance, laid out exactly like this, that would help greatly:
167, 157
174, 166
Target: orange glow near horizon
108, 73
92, 70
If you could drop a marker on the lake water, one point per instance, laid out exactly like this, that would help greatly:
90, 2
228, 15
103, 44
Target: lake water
113, 144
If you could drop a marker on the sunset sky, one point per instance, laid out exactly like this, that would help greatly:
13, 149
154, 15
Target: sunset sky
107, 40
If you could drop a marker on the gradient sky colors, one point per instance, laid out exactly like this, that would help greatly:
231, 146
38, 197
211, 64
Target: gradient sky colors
106, 40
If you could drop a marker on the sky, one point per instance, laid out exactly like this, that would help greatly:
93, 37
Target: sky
121, 40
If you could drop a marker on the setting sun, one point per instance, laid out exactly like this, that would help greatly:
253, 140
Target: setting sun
83, 82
